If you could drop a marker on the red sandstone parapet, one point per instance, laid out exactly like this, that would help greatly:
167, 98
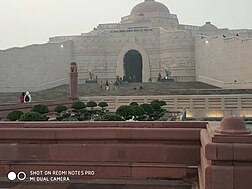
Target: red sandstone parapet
226, 155
114, 150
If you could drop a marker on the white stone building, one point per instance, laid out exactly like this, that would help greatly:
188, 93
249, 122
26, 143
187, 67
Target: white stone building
147, 42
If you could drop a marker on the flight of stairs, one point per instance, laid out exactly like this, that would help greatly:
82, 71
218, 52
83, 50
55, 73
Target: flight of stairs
130, 89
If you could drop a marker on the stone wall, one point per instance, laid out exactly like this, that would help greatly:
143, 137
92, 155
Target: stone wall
36, 67
104, 52
197, 106
177, 54
223, 61
112, 152
126, 153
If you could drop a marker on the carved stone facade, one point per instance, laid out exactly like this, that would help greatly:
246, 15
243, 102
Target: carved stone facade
152, 31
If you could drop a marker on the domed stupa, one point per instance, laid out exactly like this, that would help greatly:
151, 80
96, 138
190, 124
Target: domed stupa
149, 6
151, 12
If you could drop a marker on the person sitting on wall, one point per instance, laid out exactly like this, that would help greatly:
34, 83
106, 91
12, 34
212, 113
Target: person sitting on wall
22, 97
27, 97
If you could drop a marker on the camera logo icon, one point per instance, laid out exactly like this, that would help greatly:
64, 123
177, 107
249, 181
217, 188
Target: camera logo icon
21, 176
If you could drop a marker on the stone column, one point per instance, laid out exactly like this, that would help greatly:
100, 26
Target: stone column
73, 81
226, 155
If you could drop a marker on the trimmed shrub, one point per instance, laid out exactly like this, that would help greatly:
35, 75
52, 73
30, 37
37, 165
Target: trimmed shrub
32, 116
155, 105
133, 104
148, 109
40, 108
103, 105
91, 104
125, 111
14, 115
160, 102
64, 116
60, 108
138, 111
78, 105
111, 117
83, 111
92, 112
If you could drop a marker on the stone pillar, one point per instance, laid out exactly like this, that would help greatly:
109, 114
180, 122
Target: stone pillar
226, 155
73, 81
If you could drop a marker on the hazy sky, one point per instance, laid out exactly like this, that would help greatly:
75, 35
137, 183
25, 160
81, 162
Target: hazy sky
25, 22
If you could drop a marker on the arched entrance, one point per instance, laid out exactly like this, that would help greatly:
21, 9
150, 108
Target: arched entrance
133, 66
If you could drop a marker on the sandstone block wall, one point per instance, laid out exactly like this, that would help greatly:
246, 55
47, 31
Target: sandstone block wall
35, 67
223, 61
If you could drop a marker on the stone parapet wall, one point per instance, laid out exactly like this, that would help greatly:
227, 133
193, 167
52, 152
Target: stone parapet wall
111, 150
226, 158
119, 152
197, 106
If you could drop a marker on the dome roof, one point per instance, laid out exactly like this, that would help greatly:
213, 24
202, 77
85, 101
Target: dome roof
209, 27
149, 6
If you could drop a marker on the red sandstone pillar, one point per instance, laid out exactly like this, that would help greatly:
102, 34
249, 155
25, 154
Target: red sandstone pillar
226, 155
73, 82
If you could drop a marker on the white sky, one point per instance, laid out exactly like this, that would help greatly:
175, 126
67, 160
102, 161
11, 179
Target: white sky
26, 22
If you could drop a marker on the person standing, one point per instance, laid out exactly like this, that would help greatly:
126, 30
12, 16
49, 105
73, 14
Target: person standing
22, 97
159, 77
101, 85
111, 85
107, 85
116, 85
27, 97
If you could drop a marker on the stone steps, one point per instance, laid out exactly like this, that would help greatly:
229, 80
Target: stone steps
130, 89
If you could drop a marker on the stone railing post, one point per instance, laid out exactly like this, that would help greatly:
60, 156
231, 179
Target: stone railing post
73, 81
226, 155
